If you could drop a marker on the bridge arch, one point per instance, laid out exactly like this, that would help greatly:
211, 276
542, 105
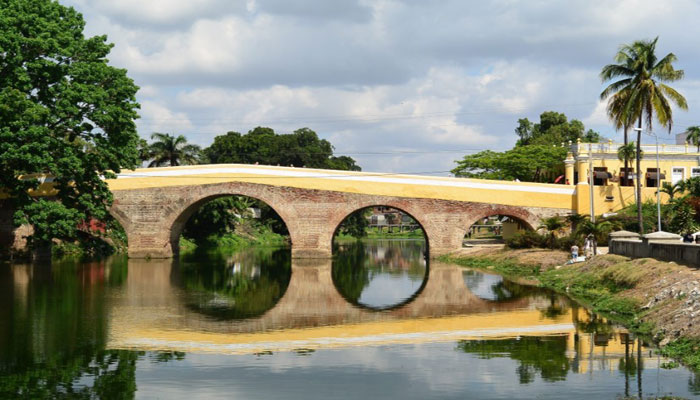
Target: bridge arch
179, 222
520, 214
153, 220
400, 206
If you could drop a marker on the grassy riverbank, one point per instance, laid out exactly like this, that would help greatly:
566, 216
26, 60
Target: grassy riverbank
651, 298
257, 236
374, 233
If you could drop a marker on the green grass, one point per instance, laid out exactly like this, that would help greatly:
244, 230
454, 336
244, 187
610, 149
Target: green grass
684, 349
507, 267
262, 236
373, 233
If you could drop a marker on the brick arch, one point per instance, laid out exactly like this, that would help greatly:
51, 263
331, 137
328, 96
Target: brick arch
153, 218
521, 214
393, 203
180, 219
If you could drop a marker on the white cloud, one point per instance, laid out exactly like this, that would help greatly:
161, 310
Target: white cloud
425, 78
155, 117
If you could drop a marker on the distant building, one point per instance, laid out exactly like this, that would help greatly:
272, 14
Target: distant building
681, 137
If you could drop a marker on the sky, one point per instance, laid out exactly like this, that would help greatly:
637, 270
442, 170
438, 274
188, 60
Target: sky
403, 86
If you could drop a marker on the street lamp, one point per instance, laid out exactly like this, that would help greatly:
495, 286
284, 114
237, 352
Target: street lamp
658, 179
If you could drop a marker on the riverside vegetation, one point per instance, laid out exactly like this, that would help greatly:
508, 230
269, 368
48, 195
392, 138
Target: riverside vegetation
655, 299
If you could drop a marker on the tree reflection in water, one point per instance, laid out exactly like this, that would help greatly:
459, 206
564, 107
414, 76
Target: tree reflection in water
400, 265
243, 285
545, 355
54, 332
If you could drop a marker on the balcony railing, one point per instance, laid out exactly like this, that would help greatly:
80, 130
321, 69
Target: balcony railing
610, 147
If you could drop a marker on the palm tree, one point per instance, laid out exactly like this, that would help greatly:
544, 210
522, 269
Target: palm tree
598, 229
616, 112
692, 135
552, 225
170, 150
640, 94
628, 152
672, 189
575, 219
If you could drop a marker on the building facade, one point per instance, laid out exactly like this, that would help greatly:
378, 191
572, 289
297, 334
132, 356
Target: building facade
614, 187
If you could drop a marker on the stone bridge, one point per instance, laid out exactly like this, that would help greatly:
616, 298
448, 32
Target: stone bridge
154, 204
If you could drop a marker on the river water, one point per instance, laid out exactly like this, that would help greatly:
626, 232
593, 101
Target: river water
377, 321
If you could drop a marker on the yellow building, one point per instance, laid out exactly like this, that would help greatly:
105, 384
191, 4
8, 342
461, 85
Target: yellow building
611, 189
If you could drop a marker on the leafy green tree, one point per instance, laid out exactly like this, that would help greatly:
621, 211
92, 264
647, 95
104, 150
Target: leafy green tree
173, 151
355, 224
693, 135
640, 93
553, 128
216, 217
682, 217
691, 185
303, 148
532, 163
64, 112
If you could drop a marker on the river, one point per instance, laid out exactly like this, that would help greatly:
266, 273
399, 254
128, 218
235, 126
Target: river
377, 321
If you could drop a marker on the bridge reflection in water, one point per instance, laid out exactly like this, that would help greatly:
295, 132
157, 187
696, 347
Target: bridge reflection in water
159, 306
152, 313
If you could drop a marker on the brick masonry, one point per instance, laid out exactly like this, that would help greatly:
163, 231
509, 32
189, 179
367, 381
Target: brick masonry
153, 218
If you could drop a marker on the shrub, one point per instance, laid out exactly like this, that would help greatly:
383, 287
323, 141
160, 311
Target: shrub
527, 240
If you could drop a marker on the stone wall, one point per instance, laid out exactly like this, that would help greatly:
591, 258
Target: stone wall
682, 253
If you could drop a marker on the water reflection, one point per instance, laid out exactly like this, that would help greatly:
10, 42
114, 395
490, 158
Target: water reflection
234, 286
380, 274
244, 322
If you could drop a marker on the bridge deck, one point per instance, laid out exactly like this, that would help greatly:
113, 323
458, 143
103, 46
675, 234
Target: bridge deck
385, 184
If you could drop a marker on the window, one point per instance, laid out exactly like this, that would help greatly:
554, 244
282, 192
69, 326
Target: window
600, 176
652, 176
695, 171
624, 181
677, 174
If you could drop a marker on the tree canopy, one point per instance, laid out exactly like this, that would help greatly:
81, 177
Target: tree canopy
171, 151
532, 163
63, 111
534, 158
303, 148
553, 128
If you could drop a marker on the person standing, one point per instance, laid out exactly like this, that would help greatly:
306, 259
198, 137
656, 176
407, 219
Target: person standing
588, 246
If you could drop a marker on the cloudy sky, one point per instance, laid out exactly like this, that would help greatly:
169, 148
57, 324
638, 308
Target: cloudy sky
400, 85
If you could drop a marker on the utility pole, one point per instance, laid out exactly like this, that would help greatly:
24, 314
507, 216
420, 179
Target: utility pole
590, 179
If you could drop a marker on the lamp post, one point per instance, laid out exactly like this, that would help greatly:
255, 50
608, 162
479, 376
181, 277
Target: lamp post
658, 179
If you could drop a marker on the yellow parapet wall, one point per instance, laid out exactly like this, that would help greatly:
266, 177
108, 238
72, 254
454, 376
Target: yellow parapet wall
568, 198
385, 184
